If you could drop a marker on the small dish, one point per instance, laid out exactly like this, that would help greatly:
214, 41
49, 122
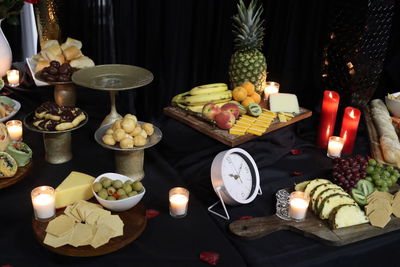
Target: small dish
16, 108
393, 105
122, 204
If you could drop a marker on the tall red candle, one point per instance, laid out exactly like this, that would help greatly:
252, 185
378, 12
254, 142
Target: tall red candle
330, 104
351, 118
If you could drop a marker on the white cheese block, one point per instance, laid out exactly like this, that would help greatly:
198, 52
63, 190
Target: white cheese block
77, 186
284, 103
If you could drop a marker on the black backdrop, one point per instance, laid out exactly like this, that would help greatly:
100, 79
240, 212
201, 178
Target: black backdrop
187, 43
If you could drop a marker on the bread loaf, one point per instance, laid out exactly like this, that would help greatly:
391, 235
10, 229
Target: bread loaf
47, 43
71, 42
388, 139
41, 64
71, 53
82, 62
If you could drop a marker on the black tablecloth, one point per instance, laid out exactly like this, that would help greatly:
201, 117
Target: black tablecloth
184, 158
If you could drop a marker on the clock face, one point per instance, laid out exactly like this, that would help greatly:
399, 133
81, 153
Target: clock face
238, 176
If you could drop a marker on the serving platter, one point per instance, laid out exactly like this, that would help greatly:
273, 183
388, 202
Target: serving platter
32, 65
16, 108
221, 135
22, 172
134, 224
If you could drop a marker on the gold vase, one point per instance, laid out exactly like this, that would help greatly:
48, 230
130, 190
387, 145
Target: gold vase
48, 20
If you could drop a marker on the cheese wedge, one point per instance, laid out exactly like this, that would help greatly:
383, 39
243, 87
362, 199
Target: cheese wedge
284, 103
77, 186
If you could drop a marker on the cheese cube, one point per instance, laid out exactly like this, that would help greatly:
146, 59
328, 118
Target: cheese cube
284, 103
77, 186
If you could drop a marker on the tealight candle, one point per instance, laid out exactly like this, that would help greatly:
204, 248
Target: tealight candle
335, 146
14, 129
13, 78
271, 88
178, 202
43, 201
298, 204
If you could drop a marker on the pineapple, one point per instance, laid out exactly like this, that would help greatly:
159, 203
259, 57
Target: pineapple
248, 62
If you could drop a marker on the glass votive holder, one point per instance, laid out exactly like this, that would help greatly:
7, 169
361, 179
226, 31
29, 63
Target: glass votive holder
335, 146
43, 201
178, 202
14, 129
13, 78
270, 88
298, 205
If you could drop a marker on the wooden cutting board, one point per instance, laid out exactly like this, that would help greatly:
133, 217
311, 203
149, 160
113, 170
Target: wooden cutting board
221, 135
312, 227
22, 172
134, 224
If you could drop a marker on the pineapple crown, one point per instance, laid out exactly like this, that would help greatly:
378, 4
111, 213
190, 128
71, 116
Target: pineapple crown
248, 26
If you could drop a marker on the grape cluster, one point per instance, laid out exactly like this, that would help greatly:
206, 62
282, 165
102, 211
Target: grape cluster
346, 172
382, 176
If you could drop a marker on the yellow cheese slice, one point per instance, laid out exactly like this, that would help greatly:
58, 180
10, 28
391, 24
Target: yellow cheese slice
254, 132
282, 118
243, 123
239, 127
262, 124
237, 132
247, 117
77, 186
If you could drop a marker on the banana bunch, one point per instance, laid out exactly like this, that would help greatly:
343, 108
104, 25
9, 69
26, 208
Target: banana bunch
197, 97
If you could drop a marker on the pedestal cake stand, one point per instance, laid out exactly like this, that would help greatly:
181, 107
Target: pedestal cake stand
112, 78
64, 92
129, 161
57, 144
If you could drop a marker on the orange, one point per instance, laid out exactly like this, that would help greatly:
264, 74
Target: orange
239, 93
256, 97
247, 101
249, 87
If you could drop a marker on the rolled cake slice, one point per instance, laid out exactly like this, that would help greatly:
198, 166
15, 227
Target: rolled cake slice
8, 165
21, 152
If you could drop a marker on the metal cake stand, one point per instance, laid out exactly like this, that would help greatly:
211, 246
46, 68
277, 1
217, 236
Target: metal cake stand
112, 78
57, 144
64, 92
129, 161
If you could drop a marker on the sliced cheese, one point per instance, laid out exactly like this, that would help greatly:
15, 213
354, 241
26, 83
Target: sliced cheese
247, 117
77, 186
256, 132
284, 103
282, 118
243, 124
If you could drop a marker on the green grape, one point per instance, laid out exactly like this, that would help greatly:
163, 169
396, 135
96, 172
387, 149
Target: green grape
376, 177
369, 169
386, 174
384, 183
396, 173
378, 182
379, 165
369, 178
393, 178
372, 162
385, 189
390, 169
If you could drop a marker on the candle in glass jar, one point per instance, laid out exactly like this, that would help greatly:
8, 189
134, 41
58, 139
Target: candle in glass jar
178, 202
351, 118
14, 129
335, 146
13, 77
298, 204
43, 201
330, 104
271, 88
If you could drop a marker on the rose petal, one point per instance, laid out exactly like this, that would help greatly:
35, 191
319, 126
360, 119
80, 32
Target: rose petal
245, 218
295, 151
151, 213
209, 257
297, 173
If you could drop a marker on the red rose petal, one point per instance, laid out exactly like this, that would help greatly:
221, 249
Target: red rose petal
209, 257
151, 213
297, 173
295, 151
245, 218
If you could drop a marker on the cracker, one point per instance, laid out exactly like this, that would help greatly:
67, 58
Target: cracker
102, 236
54, 241
396, 209
95, 214
60, 225
378, 194
379, 218
82, 235
114, 222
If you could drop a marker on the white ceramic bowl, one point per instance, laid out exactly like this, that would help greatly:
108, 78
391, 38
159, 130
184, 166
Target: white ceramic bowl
118, 205
393, 105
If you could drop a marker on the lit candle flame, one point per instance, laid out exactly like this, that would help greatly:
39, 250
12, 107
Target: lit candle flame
351, 114
330, 95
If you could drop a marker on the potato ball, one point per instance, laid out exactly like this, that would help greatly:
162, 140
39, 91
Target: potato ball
116, 125
110, 131
128, 125
119, 134
108, 140
140, 140
148, 127
143, 134
136, 131
126, 143
130, 116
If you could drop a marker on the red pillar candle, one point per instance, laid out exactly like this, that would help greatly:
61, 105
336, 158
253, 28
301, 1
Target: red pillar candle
327, 121
351, 118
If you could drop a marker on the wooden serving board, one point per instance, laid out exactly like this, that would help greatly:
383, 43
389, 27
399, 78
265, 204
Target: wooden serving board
22, 172
311, 227
134, 223
223, 135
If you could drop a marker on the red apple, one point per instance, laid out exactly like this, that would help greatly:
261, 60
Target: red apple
232, 108
225, 120
210, 110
